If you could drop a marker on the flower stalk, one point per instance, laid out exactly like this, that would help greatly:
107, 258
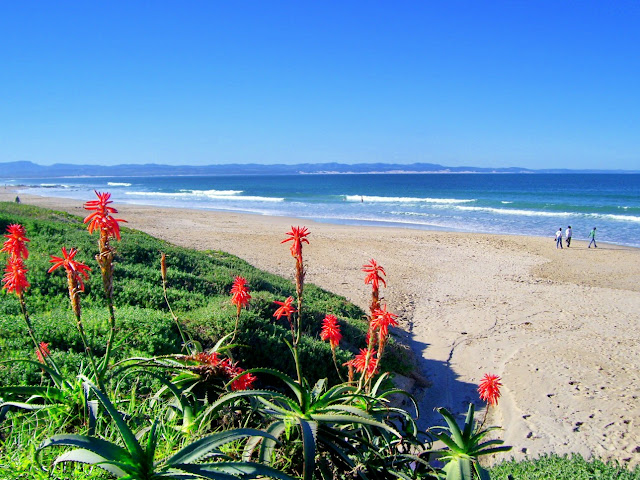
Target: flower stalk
297, 236
15, 277
77, 272
107, 225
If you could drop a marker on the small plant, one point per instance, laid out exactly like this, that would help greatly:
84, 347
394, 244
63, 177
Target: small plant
465, 445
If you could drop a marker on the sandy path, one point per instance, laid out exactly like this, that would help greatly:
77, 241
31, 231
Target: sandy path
561, 327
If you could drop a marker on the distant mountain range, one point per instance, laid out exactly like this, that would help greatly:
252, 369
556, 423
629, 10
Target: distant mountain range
28, 169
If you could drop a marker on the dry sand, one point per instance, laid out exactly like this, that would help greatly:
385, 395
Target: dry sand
561, 327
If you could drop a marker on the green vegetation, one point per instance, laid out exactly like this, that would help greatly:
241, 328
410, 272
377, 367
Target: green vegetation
555, 467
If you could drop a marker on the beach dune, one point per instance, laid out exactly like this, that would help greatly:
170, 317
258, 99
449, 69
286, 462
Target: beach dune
560, 327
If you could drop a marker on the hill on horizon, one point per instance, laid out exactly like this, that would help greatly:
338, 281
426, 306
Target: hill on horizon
30, 169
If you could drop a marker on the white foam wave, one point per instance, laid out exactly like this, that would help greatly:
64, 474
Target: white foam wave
618, 218
118, 184
514, 211
230, 195
376, 199
505, 202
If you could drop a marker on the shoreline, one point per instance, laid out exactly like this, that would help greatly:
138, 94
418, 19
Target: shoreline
349, 222
559, 326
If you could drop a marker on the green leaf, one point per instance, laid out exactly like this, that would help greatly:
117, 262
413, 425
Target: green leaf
107, 450
309, 431
198, 449
456, 434
266, 450
347, 419
130, 441
233, 470
91, 458
468, 424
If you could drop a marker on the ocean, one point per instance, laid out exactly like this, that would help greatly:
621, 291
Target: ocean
518, 204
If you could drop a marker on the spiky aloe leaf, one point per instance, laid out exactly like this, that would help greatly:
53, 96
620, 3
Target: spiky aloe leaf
130, 441
456, 433
24, 405
90, 458
49, 393
266, 449
299, 392
233, 470
309, 431
202, 447
458, 469
468, 424
103, 450
347, 419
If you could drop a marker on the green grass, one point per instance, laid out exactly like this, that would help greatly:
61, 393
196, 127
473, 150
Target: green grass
555, 467
199, 285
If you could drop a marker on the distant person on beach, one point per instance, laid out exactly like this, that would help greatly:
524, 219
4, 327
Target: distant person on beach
17, 199
559, 238
568, 234
592, 236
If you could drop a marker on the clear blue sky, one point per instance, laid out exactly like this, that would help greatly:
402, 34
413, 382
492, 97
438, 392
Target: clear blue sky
484, 83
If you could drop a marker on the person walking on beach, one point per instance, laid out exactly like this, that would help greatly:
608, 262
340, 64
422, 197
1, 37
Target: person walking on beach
592, 236
568, 234
559, 238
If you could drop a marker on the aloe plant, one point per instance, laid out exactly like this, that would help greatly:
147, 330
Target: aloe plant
465, 446
133, 461
323, 421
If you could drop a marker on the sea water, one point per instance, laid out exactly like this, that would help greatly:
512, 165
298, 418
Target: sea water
518, 204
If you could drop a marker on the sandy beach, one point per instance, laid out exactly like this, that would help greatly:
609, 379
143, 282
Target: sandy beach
561, 327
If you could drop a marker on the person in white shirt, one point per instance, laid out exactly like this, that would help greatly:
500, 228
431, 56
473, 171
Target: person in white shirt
559, 238
568, 234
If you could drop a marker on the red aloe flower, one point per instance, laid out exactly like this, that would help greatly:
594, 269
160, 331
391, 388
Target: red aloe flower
101, 219
245, 382
489, 388
15, 277
15, 244
240, 293
360, 361
331, 330
75, 270
381, 320
297, 235
44, 348
285, 309
375, 273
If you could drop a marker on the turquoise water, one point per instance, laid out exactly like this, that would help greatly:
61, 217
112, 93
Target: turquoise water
528, 204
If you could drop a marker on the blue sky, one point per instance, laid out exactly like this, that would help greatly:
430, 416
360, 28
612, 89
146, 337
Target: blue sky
547, 84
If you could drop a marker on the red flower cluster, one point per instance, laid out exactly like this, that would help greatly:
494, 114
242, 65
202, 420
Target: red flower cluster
75, 270
331, 330
297, 235
489, 388
101, 219
15, 277
240, 293
224, 368
44, 348
15, 245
